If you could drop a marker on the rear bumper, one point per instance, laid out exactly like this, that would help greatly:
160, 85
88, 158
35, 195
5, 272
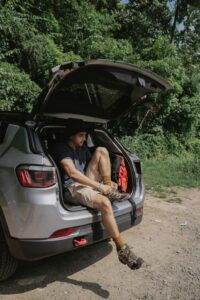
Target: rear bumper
35, 249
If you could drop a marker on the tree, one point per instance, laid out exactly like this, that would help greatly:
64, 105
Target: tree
17, 91
164, 37
142, 23
186, 13
174, 113
23, 44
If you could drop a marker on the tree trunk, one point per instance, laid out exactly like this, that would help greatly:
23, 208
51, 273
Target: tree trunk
175, 21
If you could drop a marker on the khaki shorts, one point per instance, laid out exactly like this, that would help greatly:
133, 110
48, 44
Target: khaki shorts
82, 194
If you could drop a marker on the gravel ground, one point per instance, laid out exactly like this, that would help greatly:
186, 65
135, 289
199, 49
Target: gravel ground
168, 239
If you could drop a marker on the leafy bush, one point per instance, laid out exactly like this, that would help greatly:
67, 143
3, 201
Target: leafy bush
158, 144
17, 91
109, 48
146, 145
24, 45
193, 146
41, 55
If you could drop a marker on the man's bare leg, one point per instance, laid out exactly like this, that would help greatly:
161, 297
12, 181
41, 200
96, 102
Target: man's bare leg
103, 204
125, 254
100, 166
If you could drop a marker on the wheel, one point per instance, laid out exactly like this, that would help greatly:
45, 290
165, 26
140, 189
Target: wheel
8, 264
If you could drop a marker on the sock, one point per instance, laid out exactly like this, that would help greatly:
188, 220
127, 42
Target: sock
119, 242
107, 180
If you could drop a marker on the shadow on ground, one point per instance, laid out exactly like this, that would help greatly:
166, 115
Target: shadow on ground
30, 276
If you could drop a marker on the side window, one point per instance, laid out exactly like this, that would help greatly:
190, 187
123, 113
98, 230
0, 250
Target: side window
3, 128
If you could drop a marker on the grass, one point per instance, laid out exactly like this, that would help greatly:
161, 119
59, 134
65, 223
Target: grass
171, 171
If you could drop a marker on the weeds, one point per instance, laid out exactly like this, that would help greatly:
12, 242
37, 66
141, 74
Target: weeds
166, 161
172, 171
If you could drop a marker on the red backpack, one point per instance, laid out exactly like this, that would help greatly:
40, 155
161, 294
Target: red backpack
119, 173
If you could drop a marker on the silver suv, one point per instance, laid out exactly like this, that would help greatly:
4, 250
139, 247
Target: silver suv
36, 221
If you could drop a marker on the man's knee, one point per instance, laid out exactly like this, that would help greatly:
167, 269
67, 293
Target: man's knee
101, 151
106, 207
103, 204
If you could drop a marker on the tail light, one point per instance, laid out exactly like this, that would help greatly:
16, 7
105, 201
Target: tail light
36, 176
62, 232
139, 210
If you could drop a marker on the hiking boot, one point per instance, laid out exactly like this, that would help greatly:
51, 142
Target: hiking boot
114, 195
127, 257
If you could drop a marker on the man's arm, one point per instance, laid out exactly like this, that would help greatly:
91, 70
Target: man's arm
76, 175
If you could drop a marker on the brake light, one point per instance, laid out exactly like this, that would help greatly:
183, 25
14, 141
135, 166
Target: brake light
36, 176
139, 210
62, 232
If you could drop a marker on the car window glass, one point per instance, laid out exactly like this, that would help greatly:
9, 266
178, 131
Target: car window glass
93, 99
3, 128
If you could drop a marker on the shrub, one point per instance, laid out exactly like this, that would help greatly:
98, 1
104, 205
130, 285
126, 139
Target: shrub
17, 91
145, 145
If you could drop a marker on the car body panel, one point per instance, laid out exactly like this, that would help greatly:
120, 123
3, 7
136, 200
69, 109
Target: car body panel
29, 211
30, 249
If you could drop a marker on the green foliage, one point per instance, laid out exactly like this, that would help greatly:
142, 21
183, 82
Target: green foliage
193, 146
157, 144
145, 145
100, 47
32, 51
142, 23
17, 91
15, 29
172, 171
42, 53
85, 26
176, 112
105, 4
39, 34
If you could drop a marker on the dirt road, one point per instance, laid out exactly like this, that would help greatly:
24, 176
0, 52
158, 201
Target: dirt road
168, 239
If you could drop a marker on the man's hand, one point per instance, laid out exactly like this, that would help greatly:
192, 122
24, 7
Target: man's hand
114, 185
104, 189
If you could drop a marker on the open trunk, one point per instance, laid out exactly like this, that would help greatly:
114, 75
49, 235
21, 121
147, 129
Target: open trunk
96, 91
51, 134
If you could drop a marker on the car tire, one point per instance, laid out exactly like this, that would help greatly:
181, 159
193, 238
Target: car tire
8, 264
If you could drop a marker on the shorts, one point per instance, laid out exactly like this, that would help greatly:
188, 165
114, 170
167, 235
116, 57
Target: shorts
81, 194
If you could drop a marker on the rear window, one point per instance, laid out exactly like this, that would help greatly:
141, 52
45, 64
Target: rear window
90, 99
96, 94
104, 92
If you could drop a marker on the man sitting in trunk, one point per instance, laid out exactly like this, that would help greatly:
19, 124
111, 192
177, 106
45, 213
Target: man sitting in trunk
88, 179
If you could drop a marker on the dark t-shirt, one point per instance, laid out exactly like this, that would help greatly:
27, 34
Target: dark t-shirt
80, 157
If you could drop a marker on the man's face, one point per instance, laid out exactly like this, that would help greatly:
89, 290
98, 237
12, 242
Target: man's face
78, 139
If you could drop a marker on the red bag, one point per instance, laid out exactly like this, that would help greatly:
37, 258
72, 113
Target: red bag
123, 176
119, 172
